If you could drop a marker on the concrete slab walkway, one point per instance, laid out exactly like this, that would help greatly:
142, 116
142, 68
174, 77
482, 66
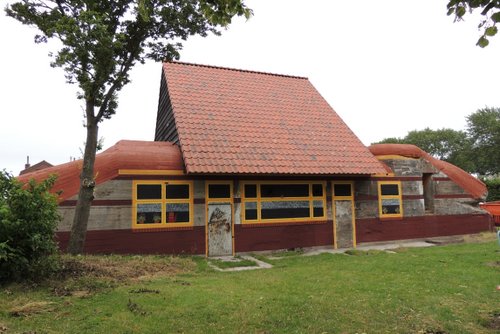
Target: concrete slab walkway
260, 264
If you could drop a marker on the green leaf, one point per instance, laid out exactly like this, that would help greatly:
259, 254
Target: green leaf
495, 17
483, 42
491, 31
460, 11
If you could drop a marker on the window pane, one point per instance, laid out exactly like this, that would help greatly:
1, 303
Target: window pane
177, 212
390, 206
148, 213
317, 190
177, 191
285, 209
250, 210
342, 189
389, 189
250, 191
219, 191
318, 209
149, 191
284, 190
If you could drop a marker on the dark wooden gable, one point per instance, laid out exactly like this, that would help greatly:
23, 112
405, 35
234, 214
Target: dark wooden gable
165, 122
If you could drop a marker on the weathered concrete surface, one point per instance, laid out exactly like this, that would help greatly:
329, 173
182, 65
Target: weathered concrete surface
343, 222
456, 206
220, 241
260, 264
117, 217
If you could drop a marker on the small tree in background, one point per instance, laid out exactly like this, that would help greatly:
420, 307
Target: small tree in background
28, 219
493, 185
445, 144
483, 129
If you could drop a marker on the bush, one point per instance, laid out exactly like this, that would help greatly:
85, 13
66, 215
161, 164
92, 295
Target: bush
28, 219
493, 189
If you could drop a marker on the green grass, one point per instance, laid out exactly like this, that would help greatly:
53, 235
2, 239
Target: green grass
426, 290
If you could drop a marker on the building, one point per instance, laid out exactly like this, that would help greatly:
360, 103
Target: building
248, 161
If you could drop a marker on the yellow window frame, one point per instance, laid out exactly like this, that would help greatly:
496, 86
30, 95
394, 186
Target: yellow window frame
381, 197
341, 198
259, 200
229, 199
163, 201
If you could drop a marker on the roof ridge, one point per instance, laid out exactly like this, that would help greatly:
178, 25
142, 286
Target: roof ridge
237, 70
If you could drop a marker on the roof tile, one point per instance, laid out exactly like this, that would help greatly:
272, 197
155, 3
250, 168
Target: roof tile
246, 122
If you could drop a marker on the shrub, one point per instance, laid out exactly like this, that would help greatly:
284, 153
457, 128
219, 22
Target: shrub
28, 219
493, 189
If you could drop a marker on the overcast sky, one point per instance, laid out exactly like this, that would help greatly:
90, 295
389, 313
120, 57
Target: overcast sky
386, 67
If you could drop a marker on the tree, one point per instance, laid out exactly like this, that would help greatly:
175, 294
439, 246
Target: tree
483, 128
101, 43
490, 10
445, 144
28, 219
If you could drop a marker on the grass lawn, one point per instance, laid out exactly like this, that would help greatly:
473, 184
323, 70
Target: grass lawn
442, 289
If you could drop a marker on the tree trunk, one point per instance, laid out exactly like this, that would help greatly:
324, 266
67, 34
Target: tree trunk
87, 184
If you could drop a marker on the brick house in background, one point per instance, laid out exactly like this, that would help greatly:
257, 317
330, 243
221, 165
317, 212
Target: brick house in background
248, 161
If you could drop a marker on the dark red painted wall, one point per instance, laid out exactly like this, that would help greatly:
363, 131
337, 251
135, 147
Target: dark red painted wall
187, 241
277, 236
282, 236
369, 230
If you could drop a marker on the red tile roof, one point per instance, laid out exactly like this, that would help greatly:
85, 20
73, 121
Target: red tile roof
125, 154
243, 122
469, 183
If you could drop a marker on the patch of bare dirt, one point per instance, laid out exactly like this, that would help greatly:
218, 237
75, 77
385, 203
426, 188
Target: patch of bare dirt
82, 276
481, 237
30, 308
493, 264
124, 268
493, 322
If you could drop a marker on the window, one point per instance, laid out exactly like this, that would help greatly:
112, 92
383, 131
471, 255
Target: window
283, 201
219, 191
389, 199
343, 190
162, 204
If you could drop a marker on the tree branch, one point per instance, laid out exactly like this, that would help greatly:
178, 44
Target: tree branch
60, 6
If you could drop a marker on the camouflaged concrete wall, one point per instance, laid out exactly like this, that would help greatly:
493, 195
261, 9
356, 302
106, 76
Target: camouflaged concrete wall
447, 197
113, 212
365, 199
112, 209
199, 203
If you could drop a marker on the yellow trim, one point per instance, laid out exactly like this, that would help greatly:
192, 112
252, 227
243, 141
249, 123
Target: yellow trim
150, 172
383, 175
394, 157
343, 198
382, 197
163, 202
259, 201
219, 200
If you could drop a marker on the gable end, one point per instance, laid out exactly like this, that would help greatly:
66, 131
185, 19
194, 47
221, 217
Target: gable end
166, 129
